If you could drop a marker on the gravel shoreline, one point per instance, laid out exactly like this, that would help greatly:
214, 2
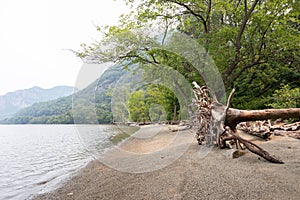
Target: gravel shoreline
216, 176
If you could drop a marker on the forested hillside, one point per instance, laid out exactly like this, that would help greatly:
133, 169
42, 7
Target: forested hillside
12, 102
60, 111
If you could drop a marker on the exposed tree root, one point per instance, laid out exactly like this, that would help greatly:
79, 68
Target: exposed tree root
215, 123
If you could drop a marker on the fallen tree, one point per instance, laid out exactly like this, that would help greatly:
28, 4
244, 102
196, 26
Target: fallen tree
216, 123
235, 116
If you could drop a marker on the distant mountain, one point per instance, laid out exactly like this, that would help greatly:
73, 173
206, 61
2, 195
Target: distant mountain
95, 97
12, 102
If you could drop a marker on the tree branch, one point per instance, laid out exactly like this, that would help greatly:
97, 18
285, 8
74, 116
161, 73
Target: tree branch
192, 12
239, 37
229, 100
242, 70
243, 26
207, 15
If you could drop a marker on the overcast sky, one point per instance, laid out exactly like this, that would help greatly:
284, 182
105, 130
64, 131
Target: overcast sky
34, 34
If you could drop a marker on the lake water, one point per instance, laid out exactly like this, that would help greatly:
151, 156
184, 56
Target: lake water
37, 158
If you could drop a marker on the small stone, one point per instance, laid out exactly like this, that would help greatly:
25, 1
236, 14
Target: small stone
238, 153
70, 194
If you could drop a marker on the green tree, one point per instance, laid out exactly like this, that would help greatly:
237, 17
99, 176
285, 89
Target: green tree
139, 112
255, 44
286, 97
161, 95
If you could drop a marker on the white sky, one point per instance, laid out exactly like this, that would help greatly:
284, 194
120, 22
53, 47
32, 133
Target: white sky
33, 34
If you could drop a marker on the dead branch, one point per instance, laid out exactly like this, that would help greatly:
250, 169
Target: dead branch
264, 129
260, 129
256, 149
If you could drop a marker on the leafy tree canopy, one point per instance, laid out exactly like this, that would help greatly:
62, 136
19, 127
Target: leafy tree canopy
254, 43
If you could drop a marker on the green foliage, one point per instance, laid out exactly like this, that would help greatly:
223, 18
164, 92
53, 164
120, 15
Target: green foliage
285, 97
255, 44
165, 98
137, 106
156, 103
51, 112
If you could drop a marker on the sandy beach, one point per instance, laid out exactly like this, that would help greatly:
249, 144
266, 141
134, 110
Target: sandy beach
186, 176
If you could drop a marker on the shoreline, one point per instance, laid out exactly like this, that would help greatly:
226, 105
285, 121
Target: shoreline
216, 176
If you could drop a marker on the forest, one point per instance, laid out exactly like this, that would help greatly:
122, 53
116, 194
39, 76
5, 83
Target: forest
254, 45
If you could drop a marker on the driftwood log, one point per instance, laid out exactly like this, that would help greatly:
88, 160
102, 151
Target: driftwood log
264, 129
235, 116
260, 129
216, 123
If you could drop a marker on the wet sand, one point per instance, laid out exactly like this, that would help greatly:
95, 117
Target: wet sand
191, 176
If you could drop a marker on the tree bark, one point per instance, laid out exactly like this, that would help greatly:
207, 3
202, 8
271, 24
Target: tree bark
175, 113
235, 116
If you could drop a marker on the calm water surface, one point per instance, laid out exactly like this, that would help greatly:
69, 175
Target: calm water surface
37, 158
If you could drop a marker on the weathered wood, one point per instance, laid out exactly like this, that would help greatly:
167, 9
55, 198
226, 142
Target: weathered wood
235, 116
265, 129
261, 129
215, 122
293, 134
287, 127
256, 149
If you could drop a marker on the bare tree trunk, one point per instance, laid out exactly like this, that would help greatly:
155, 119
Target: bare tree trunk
175, 112
234, 116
